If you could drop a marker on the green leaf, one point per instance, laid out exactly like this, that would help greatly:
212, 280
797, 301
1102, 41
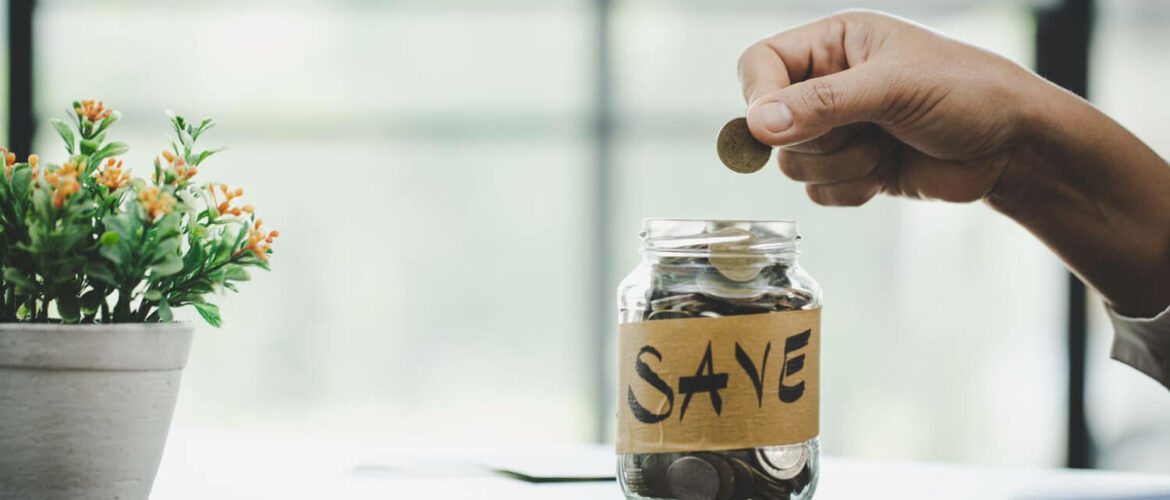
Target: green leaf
65, 132
109, 150
165, 314
207, 124
42, 205
222, 254
167, 247
153, 295
114, 149
21, 181
188, 141
12, 275
187, 298
210, 313
168, 225
205, 154
91, 301
194, 256
88, 146
119, 254
68, 308
124, 224
110, 238
168, 266
236, 273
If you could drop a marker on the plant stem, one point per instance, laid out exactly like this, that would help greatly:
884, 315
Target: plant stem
143, 309
122, 309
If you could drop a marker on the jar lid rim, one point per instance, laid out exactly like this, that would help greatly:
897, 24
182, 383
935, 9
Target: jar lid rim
697, 235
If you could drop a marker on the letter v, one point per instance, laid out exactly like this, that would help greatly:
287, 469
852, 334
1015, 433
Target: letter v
750, 368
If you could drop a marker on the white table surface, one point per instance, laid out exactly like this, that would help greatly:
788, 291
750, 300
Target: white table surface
201, 464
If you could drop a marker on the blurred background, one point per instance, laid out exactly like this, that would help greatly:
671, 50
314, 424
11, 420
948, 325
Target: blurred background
459, 185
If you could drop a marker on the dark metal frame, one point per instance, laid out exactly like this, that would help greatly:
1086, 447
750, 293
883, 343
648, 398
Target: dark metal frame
1063, 39
1063, 36
21, 121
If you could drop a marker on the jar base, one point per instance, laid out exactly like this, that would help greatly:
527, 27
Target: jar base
787, 472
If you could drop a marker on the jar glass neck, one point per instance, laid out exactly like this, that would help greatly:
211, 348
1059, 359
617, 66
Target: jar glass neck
689, 238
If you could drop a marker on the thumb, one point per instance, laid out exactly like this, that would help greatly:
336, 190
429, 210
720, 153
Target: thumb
806, 110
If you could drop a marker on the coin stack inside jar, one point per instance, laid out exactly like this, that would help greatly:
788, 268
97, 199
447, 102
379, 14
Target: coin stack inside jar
719, 342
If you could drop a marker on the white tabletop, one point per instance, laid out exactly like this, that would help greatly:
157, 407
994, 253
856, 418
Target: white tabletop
237, 466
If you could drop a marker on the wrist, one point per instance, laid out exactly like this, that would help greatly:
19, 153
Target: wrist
1094, 193
1041, 169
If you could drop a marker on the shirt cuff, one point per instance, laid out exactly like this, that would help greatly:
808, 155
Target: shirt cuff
1143, 343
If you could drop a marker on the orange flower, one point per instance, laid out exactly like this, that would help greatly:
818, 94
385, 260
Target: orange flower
178, 169
155, 202
69, 169
64, 181
92, 111
67, 185
10, 160
224, 207
112, 176
259, 241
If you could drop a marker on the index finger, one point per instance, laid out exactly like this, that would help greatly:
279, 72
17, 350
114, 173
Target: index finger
806, 51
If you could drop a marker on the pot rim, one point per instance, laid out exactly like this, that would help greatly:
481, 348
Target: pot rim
105, 347
18, 325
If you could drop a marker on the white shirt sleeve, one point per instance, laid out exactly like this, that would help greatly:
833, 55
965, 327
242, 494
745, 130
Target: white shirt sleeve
1143, 343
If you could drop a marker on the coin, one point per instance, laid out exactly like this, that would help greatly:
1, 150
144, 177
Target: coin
692, 478
672, 302
783, 462
732, 255
739, 149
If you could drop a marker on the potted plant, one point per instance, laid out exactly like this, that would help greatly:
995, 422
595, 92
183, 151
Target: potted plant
92, 264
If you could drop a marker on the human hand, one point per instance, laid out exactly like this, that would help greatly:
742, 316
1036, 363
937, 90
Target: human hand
864, 103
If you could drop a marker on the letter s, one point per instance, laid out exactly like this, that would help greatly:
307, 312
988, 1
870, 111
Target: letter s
640, 412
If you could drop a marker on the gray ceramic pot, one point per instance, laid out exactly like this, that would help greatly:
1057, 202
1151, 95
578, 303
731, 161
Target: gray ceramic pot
85, 409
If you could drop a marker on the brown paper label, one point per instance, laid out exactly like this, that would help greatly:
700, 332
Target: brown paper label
719, 383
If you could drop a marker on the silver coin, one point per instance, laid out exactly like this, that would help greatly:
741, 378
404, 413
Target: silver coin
783, 462
672, 302
660, 315
715, 284
692, 478
733, 255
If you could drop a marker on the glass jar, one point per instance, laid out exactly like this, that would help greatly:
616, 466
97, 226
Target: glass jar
719, 343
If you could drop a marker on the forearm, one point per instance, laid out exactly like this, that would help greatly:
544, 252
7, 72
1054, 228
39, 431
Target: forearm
1096, 195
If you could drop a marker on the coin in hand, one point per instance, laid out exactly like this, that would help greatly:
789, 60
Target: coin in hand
739, 150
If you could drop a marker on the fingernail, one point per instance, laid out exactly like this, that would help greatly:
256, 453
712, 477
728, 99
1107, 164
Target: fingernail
776, 116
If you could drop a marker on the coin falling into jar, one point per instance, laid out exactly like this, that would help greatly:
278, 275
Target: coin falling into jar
739, 149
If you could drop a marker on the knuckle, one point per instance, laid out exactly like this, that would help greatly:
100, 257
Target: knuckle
821, 98
746, 57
